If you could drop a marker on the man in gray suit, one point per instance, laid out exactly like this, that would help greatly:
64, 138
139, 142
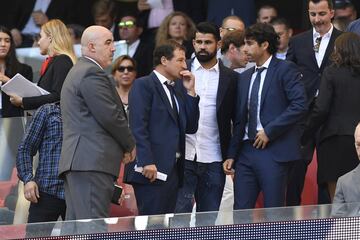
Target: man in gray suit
96, 134
347, 193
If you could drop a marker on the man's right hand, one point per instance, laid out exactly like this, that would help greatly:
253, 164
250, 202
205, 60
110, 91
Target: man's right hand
31, 192
150, 172
228, 166
130, 156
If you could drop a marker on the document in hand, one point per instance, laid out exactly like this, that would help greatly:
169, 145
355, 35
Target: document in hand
161, 176
22, 87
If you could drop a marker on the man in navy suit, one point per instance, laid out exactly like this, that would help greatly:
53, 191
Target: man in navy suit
160, 115
311, 51
271, 100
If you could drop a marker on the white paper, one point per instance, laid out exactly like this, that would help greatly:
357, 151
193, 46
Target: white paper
161, 176
22, 87
155, 3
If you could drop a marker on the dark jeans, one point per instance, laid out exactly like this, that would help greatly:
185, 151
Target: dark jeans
48, 209
204, 182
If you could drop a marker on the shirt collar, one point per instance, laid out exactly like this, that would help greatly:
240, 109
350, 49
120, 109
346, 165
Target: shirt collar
162, 78
197, 65
266, 63
93, 61
326, 35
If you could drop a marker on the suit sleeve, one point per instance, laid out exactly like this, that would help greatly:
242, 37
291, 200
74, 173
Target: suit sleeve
321, 108
191, 108
295, 93
237, 124
290, 55
105, 106
339, 206
140, 100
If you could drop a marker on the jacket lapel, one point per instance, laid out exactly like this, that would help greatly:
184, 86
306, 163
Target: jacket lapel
245, 79
222, 85
329, 49
310, 47
268, 79
163, 95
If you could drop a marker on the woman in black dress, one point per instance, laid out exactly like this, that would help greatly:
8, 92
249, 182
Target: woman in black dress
336, 112
9, 66
56, 43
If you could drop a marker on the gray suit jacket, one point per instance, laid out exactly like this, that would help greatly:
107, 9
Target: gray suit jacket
347, 195
96, 132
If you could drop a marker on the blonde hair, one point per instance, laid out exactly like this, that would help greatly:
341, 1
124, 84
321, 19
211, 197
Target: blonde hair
162, 34
61, 42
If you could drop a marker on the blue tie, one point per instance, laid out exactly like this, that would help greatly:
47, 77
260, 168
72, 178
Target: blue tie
254, 99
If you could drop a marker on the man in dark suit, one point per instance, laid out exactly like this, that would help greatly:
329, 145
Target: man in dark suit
130, 30
206, 150
160, 115
96, 133
311, 51
266, 140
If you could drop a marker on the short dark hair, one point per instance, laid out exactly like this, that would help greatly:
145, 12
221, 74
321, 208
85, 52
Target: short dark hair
263, 32
166, 50
265, 6
330, 3
280, 21
208, 27
235, 37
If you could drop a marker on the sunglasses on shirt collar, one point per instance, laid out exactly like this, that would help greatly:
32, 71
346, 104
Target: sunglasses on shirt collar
127, 24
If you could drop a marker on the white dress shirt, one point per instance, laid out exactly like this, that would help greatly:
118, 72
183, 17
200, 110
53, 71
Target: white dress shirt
205, 143
162, 80
132, 48
323, 44
262, 79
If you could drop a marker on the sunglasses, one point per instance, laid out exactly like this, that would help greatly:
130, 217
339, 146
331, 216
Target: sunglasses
128, 68
127, 24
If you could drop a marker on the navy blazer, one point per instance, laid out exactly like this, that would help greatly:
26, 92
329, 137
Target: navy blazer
155, 127
301, 52
225, 104
283, 103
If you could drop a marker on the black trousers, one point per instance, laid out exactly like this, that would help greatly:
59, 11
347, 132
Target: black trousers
48, 209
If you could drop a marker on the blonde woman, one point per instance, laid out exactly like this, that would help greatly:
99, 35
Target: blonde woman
55, 42
179, 27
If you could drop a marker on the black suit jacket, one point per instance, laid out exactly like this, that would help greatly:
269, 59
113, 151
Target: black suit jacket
225, 104
301, 52
51, 81
337, 108
57, 9
9, 110
144, 58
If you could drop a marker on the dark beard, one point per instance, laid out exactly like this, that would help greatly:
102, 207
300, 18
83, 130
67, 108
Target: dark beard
205, 58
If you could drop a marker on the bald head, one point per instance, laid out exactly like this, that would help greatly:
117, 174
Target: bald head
97, 42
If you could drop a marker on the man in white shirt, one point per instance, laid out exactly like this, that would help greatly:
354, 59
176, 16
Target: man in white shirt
207, 148
311, 51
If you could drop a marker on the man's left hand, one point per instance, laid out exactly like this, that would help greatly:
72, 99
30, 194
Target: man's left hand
261, 139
